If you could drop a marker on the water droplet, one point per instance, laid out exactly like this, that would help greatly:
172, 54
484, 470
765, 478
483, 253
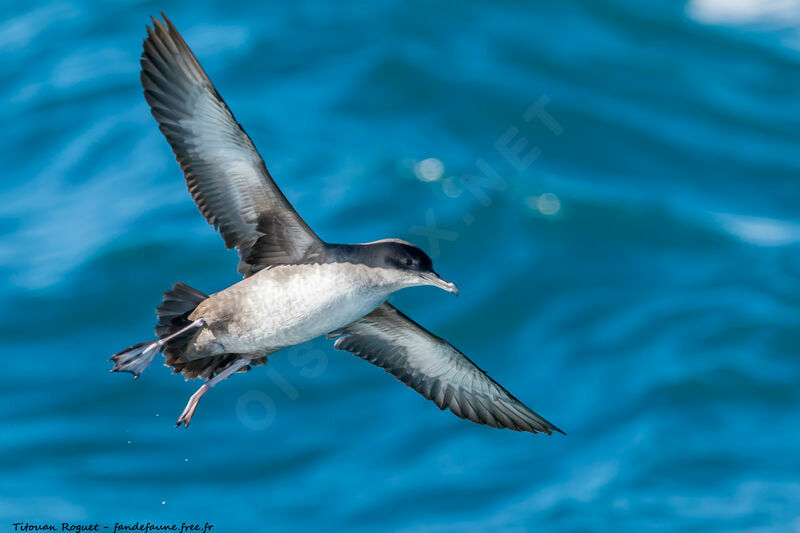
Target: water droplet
547, 204
451, 188
430, 169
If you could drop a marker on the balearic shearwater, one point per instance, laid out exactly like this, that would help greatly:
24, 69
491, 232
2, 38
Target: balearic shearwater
296, 286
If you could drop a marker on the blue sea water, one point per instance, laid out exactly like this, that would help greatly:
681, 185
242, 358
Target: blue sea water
613, 185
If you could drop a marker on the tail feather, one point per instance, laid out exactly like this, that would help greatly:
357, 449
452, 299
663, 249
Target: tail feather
175, 307
207, 367
173, 315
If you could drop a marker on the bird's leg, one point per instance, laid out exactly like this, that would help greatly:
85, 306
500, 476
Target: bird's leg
199, 323
186, 416
139, 356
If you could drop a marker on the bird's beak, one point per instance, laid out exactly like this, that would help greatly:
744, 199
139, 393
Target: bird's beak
432, 278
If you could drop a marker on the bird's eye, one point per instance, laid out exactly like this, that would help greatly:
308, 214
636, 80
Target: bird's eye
408, 262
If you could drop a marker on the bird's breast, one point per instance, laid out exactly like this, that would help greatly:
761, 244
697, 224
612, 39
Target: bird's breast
290, 304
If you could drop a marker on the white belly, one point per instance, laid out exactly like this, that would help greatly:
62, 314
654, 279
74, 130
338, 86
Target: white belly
288, 305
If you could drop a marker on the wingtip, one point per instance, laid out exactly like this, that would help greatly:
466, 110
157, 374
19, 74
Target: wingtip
158, 25
168, 22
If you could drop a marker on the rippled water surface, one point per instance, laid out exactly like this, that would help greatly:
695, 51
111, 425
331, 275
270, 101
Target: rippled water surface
629, 268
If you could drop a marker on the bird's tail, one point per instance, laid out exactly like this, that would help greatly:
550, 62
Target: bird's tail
174, 330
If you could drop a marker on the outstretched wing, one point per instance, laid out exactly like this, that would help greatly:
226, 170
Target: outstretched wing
434, 368
224, 173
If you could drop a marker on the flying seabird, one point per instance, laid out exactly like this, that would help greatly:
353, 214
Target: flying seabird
296, 286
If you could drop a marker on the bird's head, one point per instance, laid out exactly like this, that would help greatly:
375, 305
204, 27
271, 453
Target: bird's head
410, 262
